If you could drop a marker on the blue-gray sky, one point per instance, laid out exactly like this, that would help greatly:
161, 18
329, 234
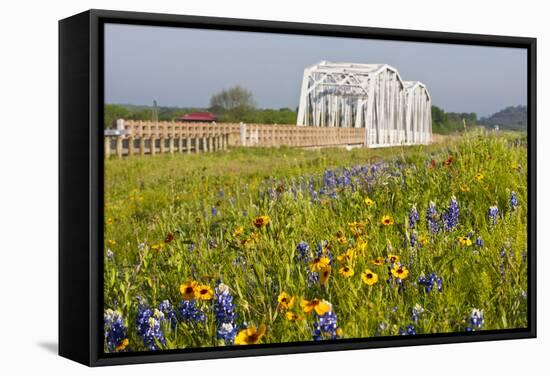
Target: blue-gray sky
185, 67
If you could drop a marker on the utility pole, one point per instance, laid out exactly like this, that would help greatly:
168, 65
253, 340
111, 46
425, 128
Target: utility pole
155, 112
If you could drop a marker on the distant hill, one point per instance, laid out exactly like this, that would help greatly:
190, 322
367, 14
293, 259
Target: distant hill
512, 117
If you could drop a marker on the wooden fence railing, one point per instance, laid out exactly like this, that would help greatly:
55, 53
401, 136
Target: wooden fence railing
133, 137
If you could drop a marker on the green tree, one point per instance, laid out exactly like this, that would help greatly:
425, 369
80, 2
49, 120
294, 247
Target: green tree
112, 112
233, 104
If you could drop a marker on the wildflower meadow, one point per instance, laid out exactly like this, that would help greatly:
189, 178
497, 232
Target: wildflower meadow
273, 245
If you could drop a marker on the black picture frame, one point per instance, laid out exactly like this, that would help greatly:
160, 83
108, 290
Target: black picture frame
81, 184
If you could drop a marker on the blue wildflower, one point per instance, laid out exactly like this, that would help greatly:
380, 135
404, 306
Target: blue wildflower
450, 217
432, 217
479, 242
326, 326
149, 327
413, 239
408, 331
190, 312
514, 201
416, 311
475, 320
115, 329
429, 281
224, 311
302, 252
169, 313
413, 217
214, 211
493, 214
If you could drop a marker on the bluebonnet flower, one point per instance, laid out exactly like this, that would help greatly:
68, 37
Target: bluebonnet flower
211, 243
323, 251
166, 308
493, 214
413, 217
115, 330
190, 312
408, 331
149, 326
479, 242
432, 217
429, 281
224, 311
450, 217
312, 278
214, 211
514, 201
110, 255
302, 252
416, 311
326, 326
475, 321
413, 239
240, 260
191, 247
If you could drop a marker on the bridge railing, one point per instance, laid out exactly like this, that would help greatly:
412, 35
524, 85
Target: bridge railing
136, 137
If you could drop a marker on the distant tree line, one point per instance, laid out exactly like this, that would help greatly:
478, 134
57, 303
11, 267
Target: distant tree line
237, 104
512, 117
450, 122
231, 105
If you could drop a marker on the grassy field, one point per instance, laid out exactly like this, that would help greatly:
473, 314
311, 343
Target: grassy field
283, 245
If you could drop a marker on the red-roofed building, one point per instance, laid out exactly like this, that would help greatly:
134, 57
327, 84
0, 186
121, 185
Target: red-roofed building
198, 117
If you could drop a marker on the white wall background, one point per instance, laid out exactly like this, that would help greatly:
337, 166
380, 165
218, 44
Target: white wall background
28, 185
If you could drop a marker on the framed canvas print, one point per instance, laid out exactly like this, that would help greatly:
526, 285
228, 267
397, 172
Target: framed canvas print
236, 187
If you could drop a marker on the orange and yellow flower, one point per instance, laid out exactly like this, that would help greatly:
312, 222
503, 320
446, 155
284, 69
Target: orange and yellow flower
291, 316
346, 271
261, 221
319, 263
464, 241
319, 306
479, 177
341, 238
188, 290
393, 258
285, 300
204, 292
324, 275
369, 277
250, 335
378, 261
347, 256
400, 271
238, 231
368, 201
387, 220
122, 345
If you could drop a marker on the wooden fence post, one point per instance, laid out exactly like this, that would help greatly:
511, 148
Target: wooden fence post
107, 146
131, 145
243, 133
119, 147
153, 146
142, 145
204, 142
